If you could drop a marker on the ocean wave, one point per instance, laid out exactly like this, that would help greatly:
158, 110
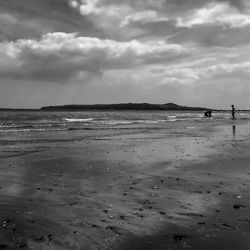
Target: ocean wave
124, 122
31, 130
116, 122
152, 121
61, 121
78, 119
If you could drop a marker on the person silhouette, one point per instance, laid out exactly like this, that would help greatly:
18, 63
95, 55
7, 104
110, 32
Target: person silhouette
208, 114
233, 111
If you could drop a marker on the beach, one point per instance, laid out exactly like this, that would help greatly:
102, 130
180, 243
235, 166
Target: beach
157, 186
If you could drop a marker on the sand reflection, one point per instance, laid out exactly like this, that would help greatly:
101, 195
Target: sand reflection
234, 130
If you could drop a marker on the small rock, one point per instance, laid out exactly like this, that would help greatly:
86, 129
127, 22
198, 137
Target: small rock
179, 238
238, 206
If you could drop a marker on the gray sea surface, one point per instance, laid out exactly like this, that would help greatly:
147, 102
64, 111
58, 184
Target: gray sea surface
40, 121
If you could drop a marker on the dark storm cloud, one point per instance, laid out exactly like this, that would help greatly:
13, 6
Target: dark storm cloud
33, 18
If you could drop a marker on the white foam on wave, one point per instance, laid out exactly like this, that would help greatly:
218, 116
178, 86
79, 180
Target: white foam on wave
29, 130
78, 119
117, 122
151, 121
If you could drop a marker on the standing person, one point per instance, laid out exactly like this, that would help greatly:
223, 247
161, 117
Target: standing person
233, 111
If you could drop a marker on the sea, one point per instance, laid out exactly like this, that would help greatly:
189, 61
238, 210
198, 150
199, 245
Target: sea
14, 122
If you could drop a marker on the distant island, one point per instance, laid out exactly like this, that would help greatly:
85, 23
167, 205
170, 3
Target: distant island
123, 106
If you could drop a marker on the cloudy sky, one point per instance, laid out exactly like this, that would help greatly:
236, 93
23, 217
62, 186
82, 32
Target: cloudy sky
191, 52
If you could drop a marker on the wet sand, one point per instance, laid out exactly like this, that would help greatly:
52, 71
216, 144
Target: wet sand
185, 187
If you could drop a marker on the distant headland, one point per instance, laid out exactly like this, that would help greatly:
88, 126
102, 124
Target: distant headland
123, 106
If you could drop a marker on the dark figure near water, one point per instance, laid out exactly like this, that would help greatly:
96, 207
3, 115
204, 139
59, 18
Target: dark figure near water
233, 111
208, 114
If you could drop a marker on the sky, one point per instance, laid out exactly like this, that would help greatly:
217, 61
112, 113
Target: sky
190, 52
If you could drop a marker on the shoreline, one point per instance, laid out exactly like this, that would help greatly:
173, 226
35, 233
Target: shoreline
152, 190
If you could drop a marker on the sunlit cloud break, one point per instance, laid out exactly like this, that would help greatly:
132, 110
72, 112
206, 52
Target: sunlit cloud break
143, 17
58, 56
215, 14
